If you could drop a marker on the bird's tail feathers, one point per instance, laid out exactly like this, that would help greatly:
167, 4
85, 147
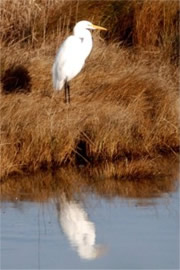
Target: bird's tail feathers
58, 85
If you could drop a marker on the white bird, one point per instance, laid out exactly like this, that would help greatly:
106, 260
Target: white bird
71, 56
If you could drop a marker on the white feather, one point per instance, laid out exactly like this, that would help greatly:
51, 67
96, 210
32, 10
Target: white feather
72, 54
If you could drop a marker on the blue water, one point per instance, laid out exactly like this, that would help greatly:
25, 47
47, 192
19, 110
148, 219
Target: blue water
95, 233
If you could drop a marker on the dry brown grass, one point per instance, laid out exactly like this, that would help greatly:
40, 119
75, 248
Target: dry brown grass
124, 103
162, 29
101, 180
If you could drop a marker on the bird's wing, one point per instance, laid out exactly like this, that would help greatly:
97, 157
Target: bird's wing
69, 59
69, 49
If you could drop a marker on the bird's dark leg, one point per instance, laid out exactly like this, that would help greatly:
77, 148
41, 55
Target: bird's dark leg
67, 92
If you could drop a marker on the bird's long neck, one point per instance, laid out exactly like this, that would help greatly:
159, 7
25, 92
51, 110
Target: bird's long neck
86, 41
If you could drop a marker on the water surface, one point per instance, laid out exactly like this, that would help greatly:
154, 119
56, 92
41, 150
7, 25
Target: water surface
87, 229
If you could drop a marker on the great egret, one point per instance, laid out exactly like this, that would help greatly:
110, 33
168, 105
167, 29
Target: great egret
71, 56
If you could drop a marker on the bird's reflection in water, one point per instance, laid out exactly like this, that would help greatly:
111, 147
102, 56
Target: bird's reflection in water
79, 230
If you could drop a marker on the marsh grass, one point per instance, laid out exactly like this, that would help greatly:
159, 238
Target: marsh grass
124, 104
101, 180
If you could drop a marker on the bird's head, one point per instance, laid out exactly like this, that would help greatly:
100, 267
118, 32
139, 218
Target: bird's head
86, 25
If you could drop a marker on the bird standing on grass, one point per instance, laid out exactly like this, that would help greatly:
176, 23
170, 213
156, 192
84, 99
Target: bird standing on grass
71, 56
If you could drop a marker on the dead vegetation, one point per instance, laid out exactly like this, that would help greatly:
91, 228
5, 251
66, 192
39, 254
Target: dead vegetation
101, 180
124, 104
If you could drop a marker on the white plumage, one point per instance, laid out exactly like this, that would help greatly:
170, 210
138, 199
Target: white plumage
71, 56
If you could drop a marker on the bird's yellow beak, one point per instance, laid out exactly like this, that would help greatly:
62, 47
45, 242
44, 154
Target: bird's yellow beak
99, 27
